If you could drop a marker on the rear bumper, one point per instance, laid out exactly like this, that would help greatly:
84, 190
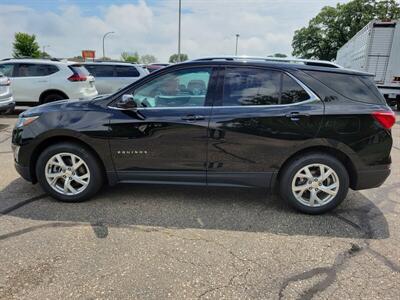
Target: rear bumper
371, 177
6, 104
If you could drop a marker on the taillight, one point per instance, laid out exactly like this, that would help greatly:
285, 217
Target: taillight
77, 77
385, 118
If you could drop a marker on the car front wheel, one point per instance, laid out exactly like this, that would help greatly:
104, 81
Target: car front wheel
69, 172
315, 183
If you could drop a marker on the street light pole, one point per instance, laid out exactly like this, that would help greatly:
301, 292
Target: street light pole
179, 31
237, 41
104, 36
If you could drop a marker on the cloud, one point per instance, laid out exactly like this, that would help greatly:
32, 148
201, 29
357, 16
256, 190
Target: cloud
208, 27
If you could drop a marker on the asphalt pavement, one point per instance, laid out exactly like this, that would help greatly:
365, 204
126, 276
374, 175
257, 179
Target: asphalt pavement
154, 242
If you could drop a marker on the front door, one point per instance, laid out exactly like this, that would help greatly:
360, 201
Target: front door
262, 117
165, 138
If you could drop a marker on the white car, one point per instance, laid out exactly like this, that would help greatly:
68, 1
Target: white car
112, 76
6, 98
37, 81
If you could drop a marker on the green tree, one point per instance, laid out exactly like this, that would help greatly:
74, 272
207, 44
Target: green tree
130, 57
174, 58
279, 55
334, 26
148, 59
25, 45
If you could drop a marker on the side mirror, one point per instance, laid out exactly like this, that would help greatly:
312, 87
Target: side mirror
127, 102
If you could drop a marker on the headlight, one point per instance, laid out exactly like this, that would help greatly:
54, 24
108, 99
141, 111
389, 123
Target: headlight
25, 121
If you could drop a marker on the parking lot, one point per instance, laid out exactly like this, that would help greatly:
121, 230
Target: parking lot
153, 242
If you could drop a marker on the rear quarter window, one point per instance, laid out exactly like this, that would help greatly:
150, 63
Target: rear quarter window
355, 87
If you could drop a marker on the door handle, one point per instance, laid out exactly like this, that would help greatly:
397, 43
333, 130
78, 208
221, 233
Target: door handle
295, 116
193, 118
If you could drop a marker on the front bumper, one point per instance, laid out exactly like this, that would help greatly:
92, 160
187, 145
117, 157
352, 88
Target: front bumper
23, 171
371, 177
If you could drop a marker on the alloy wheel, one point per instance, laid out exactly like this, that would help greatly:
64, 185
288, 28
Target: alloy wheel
315, 185
67, 173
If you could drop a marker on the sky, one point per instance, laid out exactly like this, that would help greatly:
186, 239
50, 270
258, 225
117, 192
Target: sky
209, 27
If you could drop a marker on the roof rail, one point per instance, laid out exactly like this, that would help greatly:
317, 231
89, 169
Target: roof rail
310, 62
112, 61
28, 57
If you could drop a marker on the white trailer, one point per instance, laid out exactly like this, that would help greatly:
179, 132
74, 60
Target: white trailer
376, 49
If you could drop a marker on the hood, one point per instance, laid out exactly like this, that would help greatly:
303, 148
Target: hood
62, 105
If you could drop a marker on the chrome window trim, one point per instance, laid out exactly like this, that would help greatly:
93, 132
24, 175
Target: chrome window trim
313, 98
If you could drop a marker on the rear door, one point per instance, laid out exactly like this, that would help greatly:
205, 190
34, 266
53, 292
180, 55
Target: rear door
261, 116
30, 80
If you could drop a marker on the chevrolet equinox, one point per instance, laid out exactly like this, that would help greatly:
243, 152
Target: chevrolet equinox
307, 130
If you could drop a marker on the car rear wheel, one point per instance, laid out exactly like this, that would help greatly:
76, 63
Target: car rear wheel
315, 183
69, 172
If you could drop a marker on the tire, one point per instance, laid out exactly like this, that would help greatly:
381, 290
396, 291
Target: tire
86, 179
398, 105
294, 177
53, 97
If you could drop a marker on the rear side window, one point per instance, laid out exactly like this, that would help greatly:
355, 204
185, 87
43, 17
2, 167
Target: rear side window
292, 92
126, 71
250, 86
80, 70
101, 70
35, 70
354, 87
7, 69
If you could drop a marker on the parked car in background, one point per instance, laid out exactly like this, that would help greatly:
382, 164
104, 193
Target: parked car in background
112, 76
376, 49
154, 67
7, 103
309, 132
38, 81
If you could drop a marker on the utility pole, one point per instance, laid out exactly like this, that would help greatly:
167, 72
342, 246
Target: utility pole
104, 36
179, 31
44, 50
237, 42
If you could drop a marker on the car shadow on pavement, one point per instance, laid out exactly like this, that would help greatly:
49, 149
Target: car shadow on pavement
228, 209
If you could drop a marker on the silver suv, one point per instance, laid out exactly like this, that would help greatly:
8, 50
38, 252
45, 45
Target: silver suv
6, 99
112, 76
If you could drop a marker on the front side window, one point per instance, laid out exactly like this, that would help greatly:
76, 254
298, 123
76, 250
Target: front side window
183, 88
126, 71
252, 86
101, 70
7, 69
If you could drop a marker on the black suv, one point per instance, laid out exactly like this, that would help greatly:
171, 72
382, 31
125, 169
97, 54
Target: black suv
311, 132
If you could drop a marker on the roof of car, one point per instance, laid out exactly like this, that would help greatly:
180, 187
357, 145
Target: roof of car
54, 61
286, 64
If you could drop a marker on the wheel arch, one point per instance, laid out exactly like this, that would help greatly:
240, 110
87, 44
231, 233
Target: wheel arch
338, 154
61, 139
51, 91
